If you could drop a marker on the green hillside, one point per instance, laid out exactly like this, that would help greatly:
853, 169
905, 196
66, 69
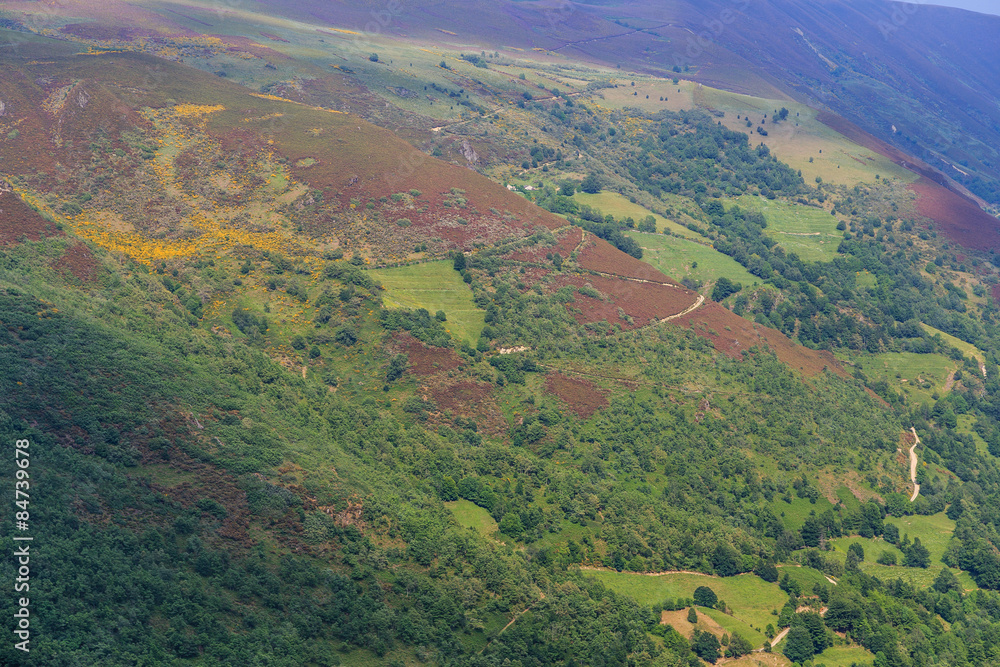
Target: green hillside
323, 351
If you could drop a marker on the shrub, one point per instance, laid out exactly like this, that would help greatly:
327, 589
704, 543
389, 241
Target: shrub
886, 558
403, 222
346, 336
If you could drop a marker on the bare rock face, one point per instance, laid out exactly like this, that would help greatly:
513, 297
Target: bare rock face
82, 98
470, 154
3, 108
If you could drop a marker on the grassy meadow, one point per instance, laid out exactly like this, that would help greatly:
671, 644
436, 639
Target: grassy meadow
470, 515
434, 286
619, 206
919, 376
683, 258
750, 597
809, 232
801, 141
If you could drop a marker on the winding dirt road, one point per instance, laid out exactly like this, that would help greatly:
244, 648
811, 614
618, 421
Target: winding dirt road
700, 300
913, 465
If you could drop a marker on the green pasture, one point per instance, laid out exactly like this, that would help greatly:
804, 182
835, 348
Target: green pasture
434, 286
470, 515
934, 531
750, 597
844, 656
968, 349
801, 136
618, 205
809, 232
794, 514
918, 375
679, 258
806, 577
733, 624
965, 423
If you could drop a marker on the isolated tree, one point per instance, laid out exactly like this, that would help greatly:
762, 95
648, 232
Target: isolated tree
917, 555
373, 57
886, 558
692, 616
647, 224
856, 549
346, 336
705, 597
591, 184
723, 288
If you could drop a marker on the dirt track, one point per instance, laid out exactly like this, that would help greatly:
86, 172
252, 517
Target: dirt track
913, 465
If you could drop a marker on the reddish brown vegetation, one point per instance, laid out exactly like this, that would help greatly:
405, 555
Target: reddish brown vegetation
78, 262
945, 202
711, 321
599, 255
579, 395
424, 360
567, 241
958, 217
473, 400
18, 220
643, 302
203, 480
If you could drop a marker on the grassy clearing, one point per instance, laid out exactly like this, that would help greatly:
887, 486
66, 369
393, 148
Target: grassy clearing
872, 546
732, 624
965, 423
968, 349
934, 531
801, 137
806, 577
434, 286
470, 515
848, 498
809, 232
619, 206
678, 96
680, 258
794, 514
919, 376
751, 598
844, 656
